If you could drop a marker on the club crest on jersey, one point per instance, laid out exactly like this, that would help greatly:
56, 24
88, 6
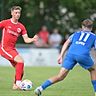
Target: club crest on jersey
18, 30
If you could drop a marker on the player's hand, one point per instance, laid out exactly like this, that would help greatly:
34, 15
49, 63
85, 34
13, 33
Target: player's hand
35, 38
59, 59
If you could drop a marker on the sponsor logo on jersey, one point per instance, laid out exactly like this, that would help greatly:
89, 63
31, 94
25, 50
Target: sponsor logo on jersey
80, 42
12, 32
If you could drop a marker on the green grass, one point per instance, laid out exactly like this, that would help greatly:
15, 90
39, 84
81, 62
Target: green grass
77, 83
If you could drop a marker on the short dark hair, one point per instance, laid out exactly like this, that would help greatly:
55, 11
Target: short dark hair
16, 8
87, 23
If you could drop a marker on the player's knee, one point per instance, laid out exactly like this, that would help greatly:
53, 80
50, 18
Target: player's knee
19, 59
61, 76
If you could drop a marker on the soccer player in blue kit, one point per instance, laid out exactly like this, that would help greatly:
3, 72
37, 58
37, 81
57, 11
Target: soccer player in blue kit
79, 45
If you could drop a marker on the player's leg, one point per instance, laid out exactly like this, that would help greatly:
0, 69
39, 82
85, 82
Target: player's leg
87, 63
19, 67
13, 63
17, 62
59, 77
92, 71
67, 65
17, 77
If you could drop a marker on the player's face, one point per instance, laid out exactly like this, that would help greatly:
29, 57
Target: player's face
16, 14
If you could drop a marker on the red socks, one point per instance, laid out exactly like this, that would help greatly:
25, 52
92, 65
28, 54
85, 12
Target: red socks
19, 67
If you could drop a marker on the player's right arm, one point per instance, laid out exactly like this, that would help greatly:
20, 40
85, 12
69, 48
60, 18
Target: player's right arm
2, 24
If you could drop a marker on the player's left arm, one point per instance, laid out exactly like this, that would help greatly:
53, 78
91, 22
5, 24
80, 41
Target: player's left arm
25, 36
29, 40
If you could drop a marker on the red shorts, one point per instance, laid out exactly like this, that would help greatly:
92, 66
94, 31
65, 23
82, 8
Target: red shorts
8, 54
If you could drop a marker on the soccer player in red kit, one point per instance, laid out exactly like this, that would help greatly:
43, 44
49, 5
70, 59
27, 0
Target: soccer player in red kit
12, 29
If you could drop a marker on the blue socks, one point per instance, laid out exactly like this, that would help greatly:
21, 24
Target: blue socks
94, 84
46, 84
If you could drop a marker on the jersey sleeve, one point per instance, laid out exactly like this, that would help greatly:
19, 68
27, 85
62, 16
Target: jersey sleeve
2, 24
24, 31
71, 37
95, 44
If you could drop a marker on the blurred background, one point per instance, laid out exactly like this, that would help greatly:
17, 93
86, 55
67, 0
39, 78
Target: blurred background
53, 21
66, 15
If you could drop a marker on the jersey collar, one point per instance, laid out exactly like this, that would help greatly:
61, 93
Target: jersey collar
13, 22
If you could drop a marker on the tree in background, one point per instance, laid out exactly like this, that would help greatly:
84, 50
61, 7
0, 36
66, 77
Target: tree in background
63, 14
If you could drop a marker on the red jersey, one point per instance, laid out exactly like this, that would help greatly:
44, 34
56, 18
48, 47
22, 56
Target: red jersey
11, 32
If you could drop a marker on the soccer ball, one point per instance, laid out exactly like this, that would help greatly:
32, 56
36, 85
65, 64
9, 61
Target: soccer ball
26, 85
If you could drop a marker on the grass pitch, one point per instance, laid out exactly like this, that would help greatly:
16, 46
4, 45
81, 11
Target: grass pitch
77, 83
